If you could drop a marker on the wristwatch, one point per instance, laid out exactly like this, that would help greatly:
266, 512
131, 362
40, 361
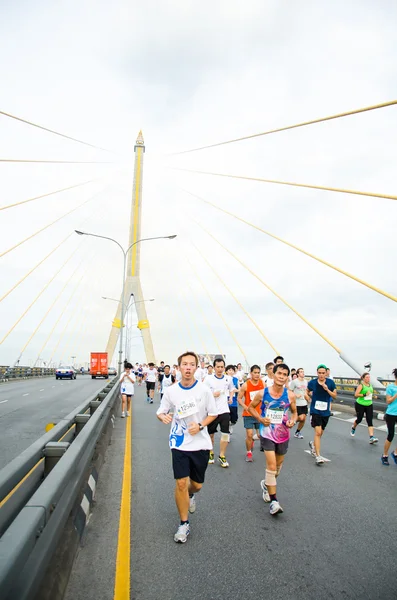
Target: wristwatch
200, 427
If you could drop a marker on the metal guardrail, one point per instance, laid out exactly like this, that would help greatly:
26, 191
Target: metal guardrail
38, 490
346, 386
8, 373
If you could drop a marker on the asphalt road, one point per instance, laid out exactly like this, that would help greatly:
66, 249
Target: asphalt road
336, 538
27, 406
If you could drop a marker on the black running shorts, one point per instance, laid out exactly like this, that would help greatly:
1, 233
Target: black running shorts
319, 421
301, 410
190, 464
150, 385
223, 420
268, 445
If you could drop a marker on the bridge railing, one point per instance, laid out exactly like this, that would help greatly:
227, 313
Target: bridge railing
8, 373
39, 488
346, 386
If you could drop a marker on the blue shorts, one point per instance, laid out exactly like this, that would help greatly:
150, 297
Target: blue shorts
251, 423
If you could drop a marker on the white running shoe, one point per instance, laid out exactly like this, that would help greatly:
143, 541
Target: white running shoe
265, 494
373, 440
123, 415
192, 504
230, 430
275, 508
319, 460
255, 436
312, 450
127, 414
182, 532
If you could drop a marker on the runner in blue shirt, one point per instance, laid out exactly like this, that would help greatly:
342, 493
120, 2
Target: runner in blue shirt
391, 420
233, 405
320, 393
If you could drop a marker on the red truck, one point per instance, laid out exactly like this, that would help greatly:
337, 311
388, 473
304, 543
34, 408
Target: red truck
99, 365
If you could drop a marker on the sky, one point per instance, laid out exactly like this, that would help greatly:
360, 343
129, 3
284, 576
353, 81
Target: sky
191, 74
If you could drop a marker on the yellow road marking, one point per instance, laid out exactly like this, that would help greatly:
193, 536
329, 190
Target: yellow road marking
20, 483
123, 560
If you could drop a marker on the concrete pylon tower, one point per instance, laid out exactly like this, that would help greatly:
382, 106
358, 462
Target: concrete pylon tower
132, 282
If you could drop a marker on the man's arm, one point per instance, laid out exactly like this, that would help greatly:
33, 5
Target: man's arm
251, 408
163, 411
241, 396
333, 393
294, 415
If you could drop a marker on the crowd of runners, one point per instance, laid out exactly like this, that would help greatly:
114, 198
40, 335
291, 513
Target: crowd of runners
198, 398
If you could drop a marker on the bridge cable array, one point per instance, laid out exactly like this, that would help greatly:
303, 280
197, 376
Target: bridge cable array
71, 187
276, 237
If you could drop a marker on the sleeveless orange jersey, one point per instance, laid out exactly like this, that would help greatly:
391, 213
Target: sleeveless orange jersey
250, 395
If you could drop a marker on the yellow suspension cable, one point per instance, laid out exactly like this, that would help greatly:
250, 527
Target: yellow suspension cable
39, 295
218, 310
52, 306
276, 237
271, 290
61, 337
210, 329
56, 162
41, 261
235, 298
302, 185
50, 224
68, 137
64, 308
71, 187
286, 128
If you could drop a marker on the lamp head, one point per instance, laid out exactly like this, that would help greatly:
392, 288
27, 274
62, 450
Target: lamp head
171, 237
79, 232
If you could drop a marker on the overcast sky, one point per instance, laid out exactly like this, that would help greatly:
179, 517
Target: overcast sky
191, 74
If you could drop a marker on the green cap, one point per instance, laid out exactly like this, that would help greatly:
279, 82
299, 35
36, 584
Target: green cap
322, 367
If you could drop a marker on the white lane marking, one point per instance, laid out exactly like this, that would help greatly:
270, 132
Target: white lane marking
3, 401
25, 394
336, 412
379, 427
323, 457
382, 428
41, 390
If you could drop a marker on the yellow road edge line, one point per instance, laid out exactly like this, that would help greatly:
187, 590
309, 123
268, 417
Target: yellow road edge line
123, 561
18, 485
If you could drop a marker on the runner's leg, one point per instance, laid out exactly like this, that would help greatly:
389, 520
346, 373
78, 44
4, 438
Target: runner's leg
318, 432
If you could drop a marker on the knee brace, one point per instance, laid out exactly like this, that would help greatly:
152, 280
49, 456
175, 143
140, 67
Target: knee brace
279, 467
270, 477
225, 437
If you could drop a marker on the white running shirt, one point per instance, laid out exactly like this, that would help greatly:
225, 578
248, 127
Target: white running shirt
127, 386
299, 388
224, 385
197, 403
151, 375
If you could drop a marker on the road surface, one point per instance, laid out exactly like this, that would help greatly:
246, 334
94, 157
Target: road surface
27, 406
336, 538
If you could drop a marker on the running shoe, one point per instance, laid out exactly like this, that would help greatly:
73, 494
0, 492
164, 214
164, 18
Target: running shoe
127, 414
181, 535
352, 432
150, 401
230, 430
223, 462
275, 508
249, 458
265, 494
211, 459
385, 461
319, 460
312, 450
123, 415
298, 435
192, 504
373, 440
255, 436
394, 457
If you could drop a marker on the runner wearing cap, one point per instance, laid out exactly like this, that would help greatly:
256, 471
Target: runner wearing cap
320, 393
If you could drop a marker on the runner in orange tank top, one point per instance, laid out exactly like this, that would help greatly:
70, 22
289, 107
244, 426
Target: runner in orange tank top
245, 396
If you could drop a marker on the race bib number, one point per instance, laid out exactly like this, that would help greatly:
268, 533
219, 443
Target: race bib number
275, 416
368, 397
321, 405
187, 409
252, 395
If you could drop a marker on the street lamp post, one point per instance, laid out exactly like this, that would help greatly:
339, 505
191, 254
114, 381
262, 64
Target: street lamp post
125, 254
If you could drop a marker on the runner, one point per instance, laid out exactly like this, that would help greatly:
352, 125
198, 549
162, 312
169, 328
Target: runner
299, 387
150, 378
210, 370
233, 405
275, 425
268, 378
221, 387
127, 381
320, 393
246, 394
165, 380
193, 408
160, 369
391, 420
201, 372
364, 406
279, 360
240, 373
140, 374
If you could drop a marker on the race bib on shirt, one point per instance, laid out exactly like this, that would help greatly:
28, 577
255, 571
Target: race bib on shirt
368, 397
321, 405
275, 415
252, 395
187, 409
